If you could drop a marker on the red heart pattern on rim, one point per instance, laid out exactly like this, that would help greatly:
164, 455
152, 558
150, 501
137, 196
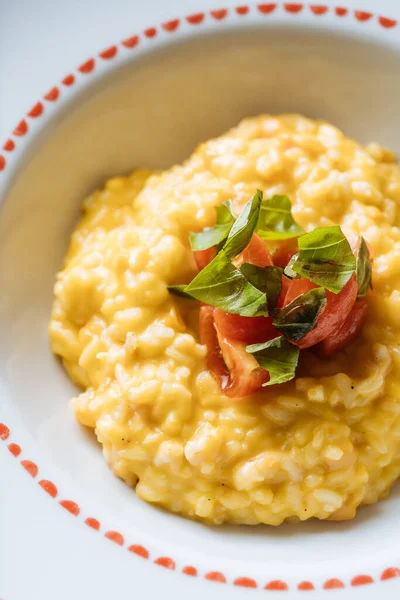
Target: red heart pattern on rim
319, 9
36, 110
219, 14
150, 32
362, 16
171, 25
131, 42
68, 80
87, 67
22, 129
9, 145
109, 53
52, 95
266, 9
166, 561
293, 8
195, 19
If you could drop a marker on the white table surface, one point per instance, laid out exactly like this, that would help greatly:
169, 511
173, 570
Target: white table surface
40, 41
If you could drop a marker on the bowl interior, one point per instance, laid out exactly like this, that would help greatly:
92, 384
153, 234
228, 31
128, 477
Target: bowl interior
152, 111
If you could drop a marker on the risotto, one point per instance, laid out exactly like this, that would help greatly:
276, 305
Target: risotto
317, 446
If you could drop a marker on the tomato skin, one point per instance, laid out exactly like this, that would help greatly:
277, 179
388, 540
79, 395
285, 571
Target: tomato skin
252, 330
208, 337
236, 370
347, 332
204, 257
331, 317
285, 251
246, 375
256, 253
296, 288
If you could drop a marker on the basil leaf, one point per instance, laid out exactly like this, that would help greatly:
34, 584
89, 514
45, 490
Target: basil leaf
363, 269
276, 221
325, 257
279, 357
289, 268
222, 285
244, 226
267, 280
299, 317
179, 290
213, 236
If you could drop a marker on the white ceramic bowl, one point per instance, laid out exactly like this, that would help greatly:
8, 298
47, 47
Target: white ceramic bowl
147, 102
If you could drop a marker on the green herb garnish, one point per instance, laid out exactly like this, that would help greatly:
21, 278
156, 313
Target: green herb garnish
325, 257
243, 228
279, 357
363, 269
222, 285
265, 279
213, 236
276, 221
300, 316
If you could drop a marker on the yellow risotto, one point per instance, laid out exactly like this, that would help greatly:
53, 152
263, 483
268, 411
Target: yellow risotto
318, 446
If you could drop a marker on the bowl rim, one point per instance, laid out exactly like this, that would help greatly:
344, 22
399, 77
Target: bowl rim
13, 150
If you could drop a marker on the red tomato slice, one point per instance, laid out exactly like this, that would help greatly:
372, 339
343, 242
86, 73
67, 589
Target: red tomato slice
332, 316
246, 375
208, 337
285, 286
204, 257
297, 287
252, 330
284, 252
236, 370
256, 253
347, 332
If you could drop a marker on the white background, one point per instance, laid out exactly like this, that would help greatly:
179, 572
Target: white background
44, 552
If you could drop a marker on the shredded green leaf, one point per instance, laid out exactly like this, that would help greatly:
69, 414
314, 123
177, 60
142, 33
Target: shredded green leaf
325, 257
363, 269
243, 228
276, 221
279, 357
213, 236
265, 279
222, 285
300, 316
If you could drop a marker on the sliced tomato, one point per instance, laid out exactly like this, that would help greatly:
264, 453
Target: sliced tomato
246, 375
284, 252
204, 257
332, 316
297, 287
208, 337
252, 330
237, 371
256, 253
347, 332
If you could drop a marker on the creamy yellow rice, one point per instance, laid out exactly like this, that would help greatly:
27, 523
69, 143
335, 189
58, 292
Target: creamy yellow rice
318, 446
